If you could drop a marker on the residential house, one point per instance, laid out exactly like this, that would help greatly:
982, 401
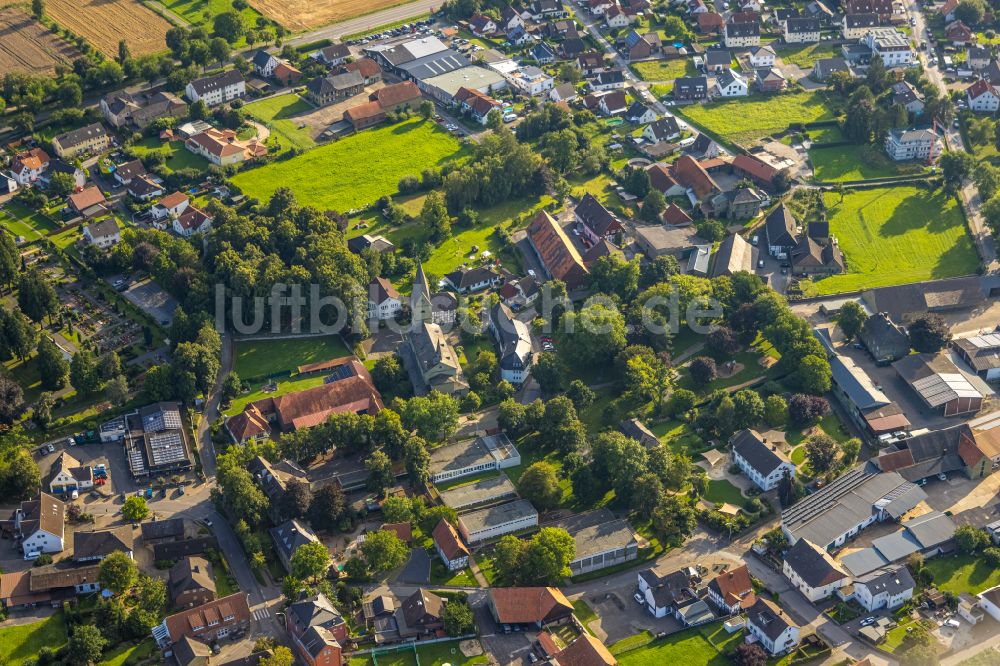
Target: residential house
538, 606
212, 621
912, 144
801, 30
770, 79
817, 257
315, 612
735, 254
664, 129
144, 188
218, 88
556, 252
731, 84
812, 571
531, 80
103, 234
642, 46
27, 167
472, 280
519, 293
959, 34
612, 103
947, 10
977, 57
891, 45
638, 431
421, 613
126, 172
170, 206
435, 361
887, 588
710, 22
510, 19
287, 74
881, 8
95, 545
824, 67
88, 202
615, 17
564, 92
223, 148
690, 88
762, 56
717, 60
610, 79
663, 594
68, 474
92, 139
449, 546
640, 114
763, 464
513, 340
191, 583
332, 55
192, 221
384, 302
53, 585
780, 232
368, 69
594, 221
883, 339
989, 601
275, 479
856, 26
543, 53
482, 25
907, 96
776, 632
123, 109
288, 537
741, 34
333, 88
264, 63
732, 590
982, 97
541, 9
572, 47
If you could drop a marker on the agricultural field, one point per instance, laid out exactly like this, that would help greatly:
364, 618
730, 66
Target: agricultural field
298, 15
29, 47
279, 113
104, 23
750, 119
806, 55
339, 181
857, 162
200, 12
896, 235
664, 70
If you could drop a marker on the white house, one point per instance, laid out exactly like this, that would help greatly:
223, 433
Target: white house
217, 89
664, 129
770, 625
663, 595
264, 63
170, 206
530, 80
69, 474
41, 525
982, 97
741, 34
762, 56
912, 144
103, 234
887, 588
513, 340
616, 18
891, 45
640, 114
449, 547
28, 166
801, 30
191, 221
496, 521
731, 84
384, 302
732, 591
989, 601
812, 571
762, 464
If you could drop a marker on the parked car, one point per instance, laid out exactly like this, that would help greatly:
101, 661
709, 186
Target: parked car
638, 598
868, 621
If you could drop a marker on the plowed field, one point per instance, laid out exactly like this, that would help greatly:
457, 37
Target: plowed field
27, 46
304, 14
105, 22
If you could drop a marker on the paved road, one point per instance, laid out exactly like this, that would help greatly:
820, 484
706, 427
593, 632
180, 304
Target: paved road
985, 243
368, 22
206, 449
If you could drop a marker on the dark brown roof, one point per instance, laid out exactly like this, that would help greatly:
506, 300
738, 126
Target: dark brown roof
180, 624
396, 94
521, 605
556, 250
366, 67
191, 574
102, 542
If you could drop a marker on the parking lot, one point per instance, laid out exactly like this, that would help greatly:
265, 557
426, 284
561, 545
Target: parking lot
151, 298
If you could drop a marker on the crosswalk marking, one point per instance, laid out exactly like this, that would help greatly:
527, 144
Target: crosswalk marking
262, 613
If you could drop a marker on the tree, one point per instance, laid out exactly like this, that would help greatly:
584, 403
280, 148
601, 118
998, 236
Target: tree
295, 501
680, 402
327, 509
135, 509
815, 374
52, 367
457, 617
10, 258
383, 550
673, 519
775, 411
310, 562
12, 401
821, 451
749, 408
970, 12
86, 645
109, 366
725, 415
804, 410
723, 340
702, 370
653, 206
219, 49
426, 109
970, 540
18, 333
549, 372
434, 416
991, 212
540, 485
929, 333
379, 468
36, 297
42, 412
229, 25
397, 510
37, 8
280, 656
749, 654
118, 573
508, 557
851, 317
434, 217
851, 449
388, 373
62, 184
581, 394
646, 493
83, 372
548, 554
956, 166
594, 335
418, 461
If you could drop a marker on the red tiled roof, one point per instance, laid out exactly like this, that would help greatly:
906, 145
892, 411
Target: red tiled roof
735, 586
520, 605
561, 258
87, 197
755, 167
403, 530
173, 200
660, 177
675, 215
184, 623
978, 88
710, 20
969, 452
363, 112
396, 94
247, 424
366, 67
689, 173
585, 651
890, 462
33, 159
447, 540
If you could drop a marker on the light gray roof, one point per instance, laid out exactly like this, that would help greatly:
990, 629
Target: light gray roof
459, 456
856, 383
479, 492
751, 447
931, 529
597, 532
497, 515
894, 580
863, 561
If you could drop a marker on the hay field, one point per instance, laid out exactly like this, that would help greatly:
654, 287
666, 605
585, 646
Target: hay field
299, 15
28, 47
105, 22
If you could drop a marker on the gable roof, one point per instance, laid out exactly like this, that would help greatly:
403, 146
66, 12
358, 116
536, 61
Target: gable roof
734, 586
85, 198
735, 254
45, 513
585, 650
780, 227
78, 136
521, 605
316, 611
751, 447
813, 564
447, 540
755, 167
557, 252
689, 173
216, 81
191, 574
99, 543
183, 623
768, 618
381, 290
593, 214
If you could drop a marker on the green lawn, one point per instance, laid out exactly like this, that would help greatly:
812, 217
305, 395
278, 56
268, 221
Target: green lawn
896, 636
442, 576
896, 235
705, 646
857, 162
178, 157
22, 221
747, 120
203, 12
278, 113
339, 180
830, 134
258, 358
806, 55
665, 70
584, 613
129, 654
798, 455
284, 387
724, 491
22, 642
962, 573
436, 654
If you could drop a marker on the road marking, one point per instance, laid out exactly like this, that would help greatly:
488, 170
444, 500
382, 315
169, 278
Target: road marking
262, 613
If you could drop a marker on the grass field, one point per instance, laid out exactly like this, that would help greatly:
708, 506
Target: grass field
747, 120
178, 157
436, 654
988, 657
829, 134
896, 235
21, 221
584, 613
205, 11
962, 573
723, 491
664, 70
278, 114
857, 162
806, 55
22, 642
340, 181
129, 654
705, 646
256, 358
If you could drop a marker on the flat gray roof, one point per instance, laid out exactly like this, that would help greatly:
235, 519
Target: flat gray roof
479, 492
597, 532
497, 515
458, 456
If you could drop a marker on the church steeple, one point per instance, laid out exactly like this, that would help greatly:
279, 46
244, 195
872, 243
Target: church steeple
420, 298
